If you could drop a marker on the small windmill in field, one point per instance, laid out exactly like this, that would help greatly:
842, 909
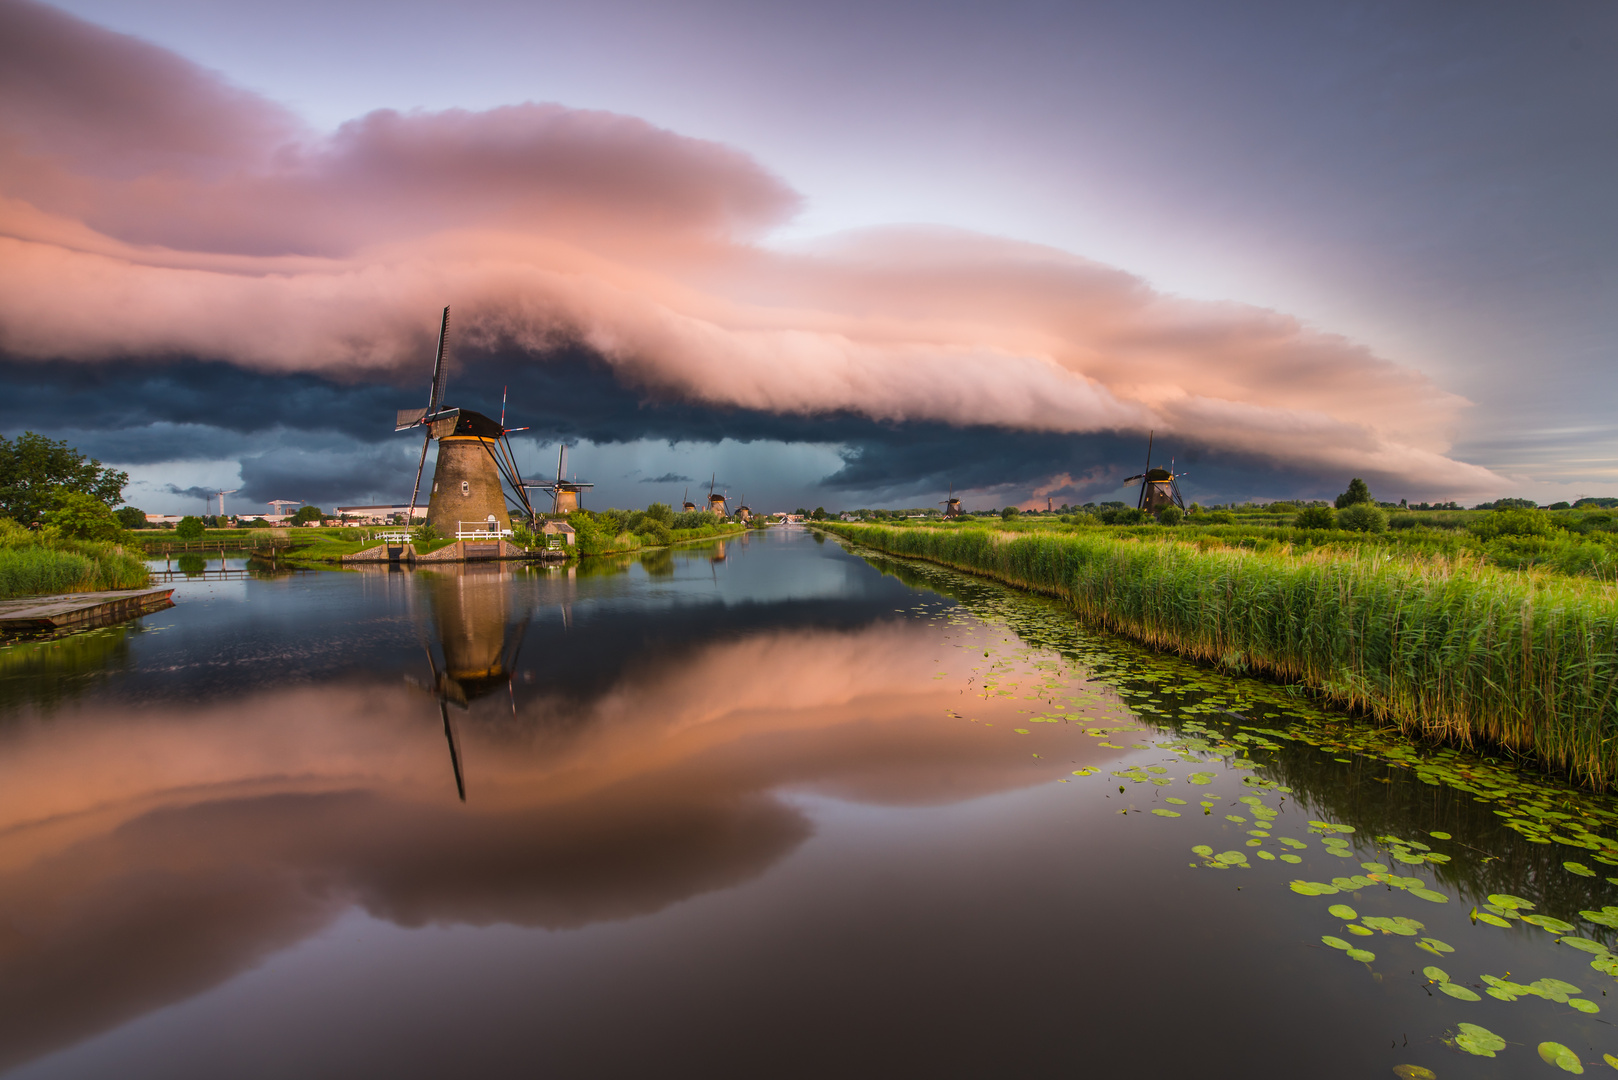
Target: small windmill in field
716, 500
687, 505
951, 505
564, 492
1158, 487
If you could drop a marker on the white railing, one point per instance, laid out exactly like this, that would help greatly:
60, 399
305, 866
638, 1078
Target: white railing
401, 537
481, 532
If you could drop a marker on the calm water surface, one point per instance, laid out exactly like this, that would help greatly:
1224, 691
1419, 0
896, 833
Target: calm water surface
759, 809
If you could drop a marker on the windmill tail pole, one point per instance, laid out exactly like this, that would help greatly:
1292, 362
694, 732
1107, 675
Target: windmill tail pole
410, 518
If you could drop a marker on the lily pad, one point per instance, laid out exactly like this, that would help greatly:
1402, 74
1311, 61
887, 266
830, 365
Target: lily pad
1375, 867
1335, 942
1204, 850
1554, 1053
1478, 1040
1342, 911
1506, 900
1492, 920
1555, 926
1362, 931
1166, 813
1439, 835
1437, 974
1312, 888
1361, 955
1430, 895
1584, 1005
1460, 993
1583, 945
1434, 946
1607, 965
1414, 1072
1291, 858
1265, 855
1579, 869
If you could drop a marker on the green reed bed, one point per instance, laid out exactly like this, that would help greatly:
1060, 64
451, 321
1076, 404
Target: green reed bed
37, 570
1446, 648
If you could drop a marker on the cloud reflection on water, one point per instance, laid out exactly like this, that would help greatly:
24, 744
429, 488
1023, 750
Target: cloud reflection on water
147, 854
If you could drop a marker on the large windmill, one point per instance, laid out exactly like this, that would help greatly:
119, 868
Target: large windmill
951, 505
1158, 487
476, 472
564, 492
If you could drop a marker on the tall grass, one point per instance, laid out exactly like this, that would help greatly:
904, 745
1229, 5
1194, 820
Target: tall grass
1447, 647
34, 565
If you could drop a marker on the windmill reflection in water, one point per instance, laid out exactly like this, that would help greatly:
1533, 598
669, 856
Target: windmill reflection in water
478, 640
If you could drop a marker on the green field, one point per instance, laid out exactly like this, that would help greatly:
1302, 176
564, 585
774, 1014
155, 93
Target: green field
1446, 645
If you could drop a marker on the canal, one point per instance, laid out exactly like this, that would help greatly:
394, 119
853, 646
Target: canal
761, 808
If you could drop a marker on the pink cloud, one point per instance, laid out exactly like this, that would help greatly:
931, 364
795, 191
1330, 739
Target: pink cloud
149, 208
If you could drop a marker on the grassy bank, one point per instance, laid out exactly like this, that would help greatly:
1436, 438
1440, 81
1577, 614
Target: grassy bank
40, 567
1446, 648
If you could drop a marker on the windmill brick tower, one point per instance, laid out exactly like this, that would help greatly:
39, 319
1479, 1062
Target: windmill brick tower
475, 466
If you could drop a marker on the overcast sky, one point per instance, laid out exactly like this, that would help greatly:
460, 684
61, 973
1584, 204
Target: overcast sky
841, 254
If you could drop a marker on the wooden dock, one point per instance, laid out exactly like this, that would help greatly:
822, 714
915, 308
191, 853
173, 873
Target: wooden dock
75, 610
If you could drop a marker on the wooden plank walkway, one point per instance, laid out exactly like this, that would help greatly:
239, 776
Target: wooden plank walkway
75, 609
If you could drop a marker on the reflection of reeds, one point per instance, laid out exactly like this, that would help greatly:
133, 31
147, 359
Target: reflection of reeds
1449, 648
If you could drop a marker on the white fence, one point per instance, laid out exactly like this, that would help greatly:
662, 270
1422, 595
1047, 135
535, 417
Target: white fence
483, 530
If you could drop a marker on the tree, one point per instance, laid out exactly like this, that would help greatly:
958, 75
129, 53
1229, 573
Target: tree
662, 512
819, 514
81, 516
1008, 513
32, 467
189, 528
1358, 492
131, 517
307, 513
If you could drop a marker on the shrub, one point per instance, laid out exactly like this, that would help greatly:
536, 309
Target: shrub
1513, 522
422, 535
1217, 517
1170, 515
656, 532
189, 528
1315, 517
1358, 492
1122, 515
1008, 513
1363, 517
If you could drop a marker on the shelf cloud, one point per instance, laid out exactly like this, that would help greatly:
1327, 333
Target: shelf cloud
149, 209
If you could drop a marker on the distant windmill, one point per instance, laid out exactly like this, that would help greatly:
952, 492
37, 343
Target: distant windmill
221, 495
1158, 487
688, 506
716, 501
951, 505
564, 492
476, 472
744, 513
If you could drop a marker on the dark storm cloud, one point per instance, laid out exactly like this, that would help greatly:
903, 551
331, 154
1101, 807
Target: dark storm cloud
666, 478
315, 438
190, 492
